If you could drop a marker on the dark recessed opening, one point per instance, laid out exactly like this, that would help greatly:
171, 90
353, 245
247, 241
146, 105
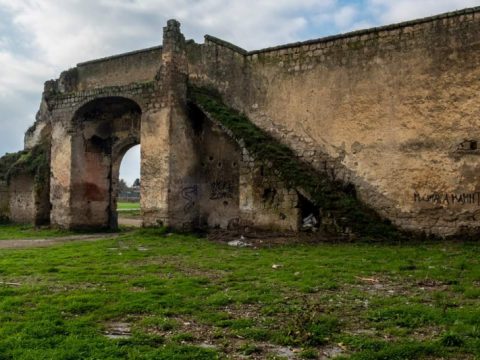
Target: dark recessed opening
196, 118
468, 145
269, 195
309, 214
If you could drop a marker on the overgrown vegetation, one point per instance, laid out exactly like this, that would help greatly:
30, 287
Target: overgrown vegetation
6, 162
34, 162
334, 198
149, 294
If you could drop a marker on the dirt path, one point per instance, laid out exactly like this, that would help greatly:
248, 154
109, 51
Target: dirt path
125, 221
34, 243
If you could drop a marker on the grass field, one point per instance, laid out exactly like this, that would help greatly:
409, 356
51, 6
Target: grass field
8, 232
129, 210
128, 206
151, 295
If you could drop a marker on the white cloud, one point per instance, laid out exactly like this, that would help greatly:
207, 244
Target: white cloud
344, 17
388, 11
20, 74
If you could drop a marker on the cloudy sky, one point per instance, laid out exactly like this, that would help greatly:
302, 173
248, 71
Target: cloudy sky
40, 38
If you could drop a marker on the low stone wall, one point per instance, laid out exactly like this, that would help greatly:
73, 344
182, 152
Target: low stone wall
4, 201
22, 199
135, 67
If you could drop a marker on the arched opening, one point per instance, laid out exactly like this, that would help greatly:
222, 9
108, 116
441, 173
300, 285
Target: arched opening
128, 190
105, 129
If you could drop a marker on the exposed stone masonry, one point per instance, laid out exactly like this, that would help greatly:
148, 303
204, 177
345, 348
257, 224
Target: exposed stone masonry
385, 111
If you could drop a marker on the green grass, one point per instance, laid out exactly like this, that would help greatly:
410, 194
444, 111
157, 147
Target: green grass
12, 232
128, 209
177, 292
128, 206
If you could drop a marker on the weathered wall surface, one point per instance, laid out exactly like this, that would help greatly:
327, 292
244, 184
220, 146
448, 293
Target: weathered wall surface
394, 111
67, 154
4, 201
22, 199
135, 67
385, 109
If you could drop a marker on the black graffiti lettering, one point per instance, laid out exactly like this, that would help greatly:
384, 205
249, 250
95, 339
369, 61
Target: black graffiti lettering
189, 193
448, 198
417, 197
221, 190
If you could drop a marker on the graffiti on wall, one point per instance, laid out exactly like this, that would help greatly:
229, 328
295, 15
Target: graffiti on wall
448, 198
189, 193
221, 190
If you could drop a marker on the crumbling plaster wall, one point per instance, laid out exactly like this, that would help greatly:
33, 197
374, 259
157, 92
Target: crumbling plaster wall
22, 199
135, 67
62, 110
4, 201
384, 109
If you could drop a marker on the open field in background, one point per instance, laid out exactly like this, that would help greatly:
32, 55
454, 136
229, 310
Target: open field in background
151, 295
128, 206
127, 210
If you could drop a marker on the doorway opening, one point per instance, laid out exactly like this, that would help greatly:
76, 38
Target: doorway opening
128, 190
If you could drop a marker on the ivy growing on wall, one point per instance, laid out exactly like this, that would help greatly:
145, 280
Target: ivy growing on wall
335, 199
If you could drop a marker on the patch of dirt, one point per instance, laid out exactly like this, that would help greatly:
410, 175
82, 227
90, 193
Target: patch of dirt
35, 243
130, 221
255, 238
251, 311
179, 266
118, 330
432, 285
235, 346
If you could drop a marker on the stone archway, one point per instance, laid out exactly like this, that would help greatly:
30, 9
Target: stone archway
105, 128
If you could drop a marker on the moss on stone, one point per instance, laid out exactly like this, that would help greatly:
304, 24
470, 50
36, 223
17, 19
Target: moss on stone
33, 162
6, 162
333, 198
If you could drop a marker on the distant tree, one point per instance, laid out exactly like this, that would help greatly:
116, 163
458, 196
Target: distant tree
136, 183
122, 186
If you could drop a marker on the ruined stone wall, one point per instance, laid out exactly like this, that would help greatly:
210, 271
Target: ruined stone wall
65, 143
222, 66
394, 111
214, 195
136, 67
4, 201
22, 199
